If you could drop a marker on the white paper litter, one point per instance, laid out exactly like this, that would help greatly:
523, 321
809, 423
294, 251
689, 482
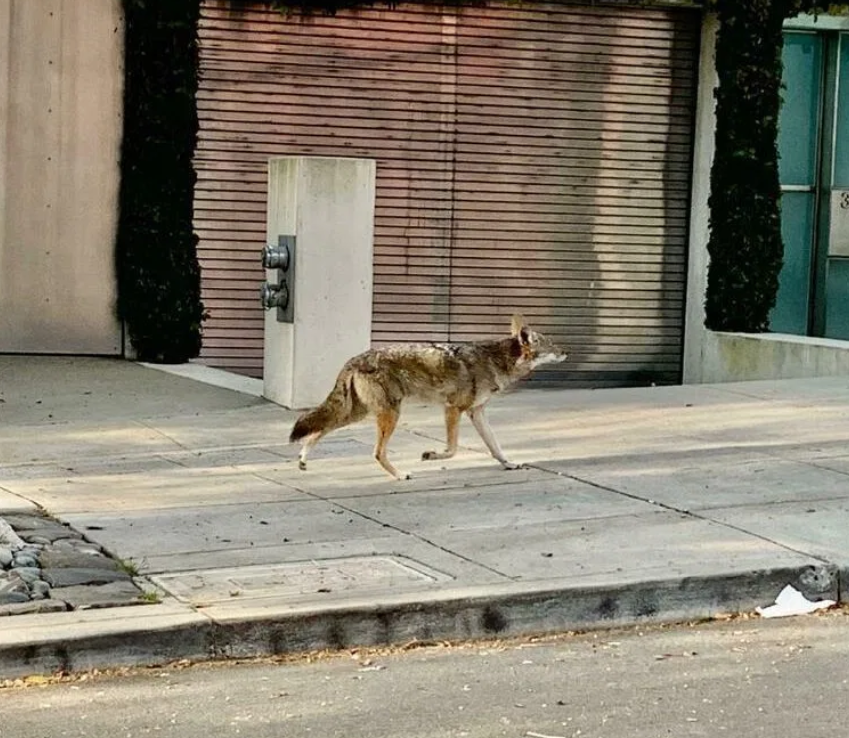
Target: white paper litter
791, 601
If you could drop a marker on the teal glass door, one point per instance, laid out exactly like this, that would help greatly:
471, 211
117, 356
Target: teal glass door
799, 135
813, 145
837, 261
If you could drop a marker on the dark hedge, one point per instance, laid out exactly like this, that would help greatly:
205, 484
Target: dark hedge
156, 250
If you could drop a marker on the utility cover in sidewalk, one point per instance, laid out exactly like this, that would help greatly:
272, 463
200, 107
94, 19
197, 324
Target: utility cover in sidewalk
360, 575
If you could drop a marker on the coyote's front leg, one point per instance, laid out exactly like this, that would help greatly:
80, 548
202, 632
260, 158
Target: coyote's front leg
452, 434
478, 418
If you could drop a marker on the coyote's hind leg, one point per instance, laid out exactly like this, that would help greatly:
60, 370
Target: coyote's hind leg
309, 442
386, 421
452, 433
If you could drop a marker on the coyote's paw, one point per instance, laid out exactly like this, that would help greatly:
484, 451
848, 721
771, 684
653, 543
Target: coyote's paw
436, 455
510, 466
302, 465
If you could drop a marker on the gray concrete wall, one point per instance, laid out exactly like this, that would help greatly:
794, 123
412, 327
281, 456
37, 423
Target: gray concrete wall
61, 86
695, 333
736, 357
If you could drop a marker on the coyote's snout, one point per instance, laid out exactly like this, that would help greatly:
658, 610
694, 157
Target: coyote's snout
460, 377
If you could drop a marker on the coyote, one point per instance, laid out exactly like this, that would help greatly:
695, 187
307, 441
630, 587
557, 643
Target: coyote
460, 377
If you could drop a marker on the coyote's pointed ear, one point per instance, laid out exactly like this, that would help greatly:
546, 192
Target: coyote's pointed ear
517, 324
519, 330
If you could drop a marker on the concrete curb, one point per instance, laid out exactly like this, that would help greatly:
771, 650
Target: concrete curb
107, 650
408, 620
517, 614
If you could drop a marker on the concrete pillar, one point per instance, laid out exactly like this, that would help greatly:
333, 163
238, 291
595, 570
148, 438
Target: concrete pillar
328, 205
695, 333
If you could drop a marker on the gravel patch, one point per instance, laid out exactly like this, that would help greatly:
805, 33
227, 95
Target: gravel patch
47, 566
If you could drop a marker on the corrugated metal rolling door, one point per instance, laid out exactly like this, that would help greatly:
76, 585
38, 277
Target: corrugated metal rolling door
530, 157
571, 182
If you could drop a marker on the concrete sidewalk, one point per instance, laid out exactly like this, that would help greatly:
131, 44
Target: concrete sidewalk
637, 505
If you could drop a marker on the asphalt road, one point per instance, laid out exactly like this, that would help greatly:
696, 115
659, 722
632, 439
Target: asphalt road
781, 678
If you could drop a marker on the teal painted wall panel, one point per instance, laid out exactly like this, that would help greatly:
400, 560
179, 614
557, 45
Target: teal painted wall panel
798, 141
790, 314
798, 123
841, 138
837, 275
837, 299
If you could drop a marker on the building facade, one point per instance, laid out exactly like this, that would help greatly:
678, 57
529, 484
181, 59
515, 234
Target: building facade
532, 157
547, 158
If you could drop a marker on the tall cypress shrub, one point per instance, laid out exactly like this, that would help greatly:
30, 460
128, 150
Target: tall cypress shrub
156, 252
745, 222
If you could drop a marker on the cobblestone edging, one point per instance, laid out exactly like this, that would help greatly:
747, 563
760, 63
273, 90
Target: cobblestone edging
46, 566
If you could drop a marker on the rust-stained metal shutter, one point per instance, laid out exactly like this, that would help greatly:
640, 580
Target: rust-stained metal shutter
530, 157
572, 179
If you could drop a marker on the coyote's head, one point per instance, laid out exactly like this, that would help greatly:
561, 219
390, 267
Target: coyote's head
536, 348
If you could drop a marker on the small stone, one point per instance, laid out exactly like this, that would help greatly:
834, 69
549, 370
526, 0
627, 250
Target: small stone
29, 526
113, 594
54, 559
77, 545
8, 536
38, 540
69, 577
24, 521
28, 574
25, 560
9, 583
46, 536
10, 598
5, 556
31, 608
39, 589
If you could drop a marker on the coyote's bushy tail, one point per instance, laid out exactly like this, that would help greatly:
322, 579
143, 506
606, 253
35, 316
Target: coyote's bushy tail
341, 407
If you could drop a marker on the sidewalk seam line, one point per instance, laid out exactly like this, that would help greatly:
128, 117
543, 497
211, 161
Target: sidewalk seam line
364, 516
691, 514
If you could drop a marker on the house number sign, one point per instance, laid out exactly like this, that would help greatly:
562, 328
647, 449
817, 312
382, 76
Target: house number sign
838, 237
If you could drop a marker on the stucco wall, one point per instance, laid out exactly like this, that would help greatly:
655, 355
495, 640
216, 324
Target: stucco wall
61, 82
